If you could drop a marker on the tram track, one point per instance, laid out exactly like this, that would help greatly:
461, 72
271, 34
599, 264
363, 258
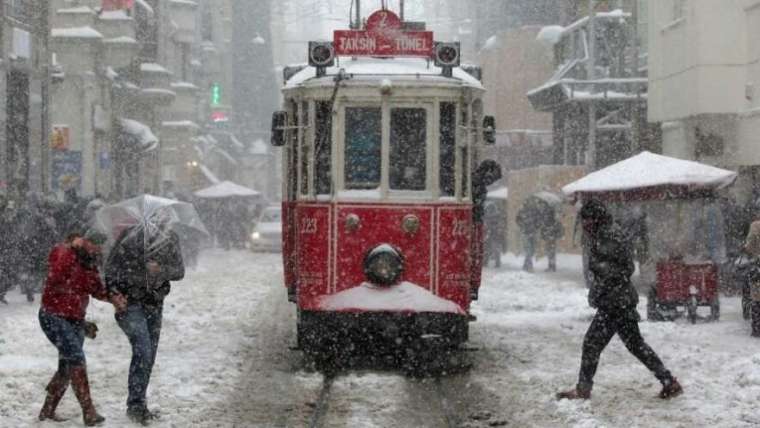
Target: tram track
322, 404
430, 402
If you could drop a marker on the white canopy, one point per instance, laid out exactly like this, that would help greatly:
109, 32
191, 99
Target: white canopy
226, 189
500, 193
651, 170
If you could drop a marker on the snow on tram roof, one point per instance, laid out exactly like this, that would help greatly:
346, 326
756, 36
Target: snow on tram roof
392, 68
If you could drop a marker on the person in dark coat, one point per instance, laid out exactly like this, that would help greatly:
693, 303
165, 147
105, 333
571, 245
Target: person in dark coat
486, 174
141, 266
494, 234
615, 299
72, 278
551, 231
529, 222
6, 250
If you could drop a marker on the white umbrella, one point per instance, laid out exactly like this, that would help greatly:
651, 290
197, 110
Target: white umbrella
152, 214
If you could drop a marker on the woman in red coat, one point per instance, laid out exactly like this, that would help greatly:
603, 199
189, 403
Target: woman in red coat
72, 278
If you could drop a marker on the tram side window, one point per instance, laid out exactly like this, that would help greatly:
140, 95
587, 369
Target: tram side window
293, 150
448, 148
408, 138
363, 136
323, 148
464, 154
305, 149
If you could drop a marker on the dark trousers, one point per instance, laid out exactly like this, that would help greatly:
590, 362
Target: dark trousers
529, 245
550, 245
142, 325
624, 323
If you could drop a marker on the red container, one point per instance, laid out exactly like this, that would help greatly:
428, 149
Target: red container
677, 281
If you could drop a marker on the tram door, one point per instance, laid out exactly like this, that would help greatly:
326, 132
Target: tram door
290, 195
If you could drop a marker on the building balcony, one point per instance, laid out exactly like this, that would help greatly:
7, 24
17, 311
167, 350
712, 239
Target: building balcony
154, 85
183, 17
76, 48
186, 104
82, 16
115, 24
120, 51
211, 59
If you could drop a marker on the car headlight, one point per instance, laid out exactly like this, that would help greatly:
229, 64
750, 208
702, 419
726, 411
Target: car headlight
255, 236
383, 265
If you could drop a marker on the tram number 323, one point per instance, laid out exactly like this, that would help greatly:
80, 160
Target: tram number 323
309, 225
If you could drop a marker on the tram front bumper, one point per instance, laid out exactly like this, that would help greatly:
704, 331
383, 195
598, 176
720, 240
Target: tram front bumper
394, 328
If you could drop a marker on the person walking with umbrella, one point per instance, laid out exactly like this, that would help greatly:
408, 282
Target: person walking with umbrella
143, 261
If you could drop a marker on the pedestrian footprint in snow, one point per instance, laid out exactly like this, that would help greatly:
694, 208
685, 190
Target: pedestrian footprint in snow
72, 278
615, 299
143, 261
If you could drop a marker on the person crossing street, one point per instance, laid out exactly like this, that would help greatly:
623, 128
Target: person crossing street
614, 297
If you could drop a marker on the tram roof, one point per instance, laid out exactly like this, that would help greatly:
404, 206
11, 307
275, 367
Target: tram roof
378, 69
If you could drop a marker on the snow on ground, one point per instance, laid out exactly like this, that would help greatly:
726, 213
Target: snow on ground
207, 319
533, 326
224, 361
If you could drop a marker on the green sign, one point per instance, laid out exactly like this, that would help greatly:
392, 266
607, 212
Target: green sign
216, 94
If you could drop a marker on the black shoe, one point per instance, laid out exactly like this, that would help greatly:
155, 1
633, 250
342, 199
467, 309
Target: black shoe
139, 415
3, 301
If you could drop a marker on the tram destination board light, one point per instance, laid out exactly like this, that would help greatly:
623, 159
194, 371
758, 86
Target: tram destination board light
447, 56
321, 56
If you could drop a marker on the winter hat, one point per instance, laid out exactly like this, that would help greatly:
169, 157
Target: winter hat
594, 210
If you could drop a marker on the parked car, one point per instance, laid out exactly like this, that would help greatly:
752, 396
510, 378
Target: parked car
267, 233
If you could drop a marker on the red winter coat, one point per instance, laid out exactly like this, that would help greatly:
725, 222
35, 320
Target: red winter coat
69, 285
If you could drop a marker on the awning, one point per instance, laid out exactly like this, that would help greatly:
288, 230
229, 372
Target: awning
500, 193
647, 173
139, 135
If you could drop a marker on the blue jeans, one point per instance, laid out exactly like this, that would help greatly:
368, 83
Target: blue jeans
66, 335
142, 325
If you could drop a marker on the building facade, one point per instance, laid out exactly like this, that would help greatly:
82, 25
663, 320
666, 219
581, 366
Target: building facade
704, 71
24, 165
598, 93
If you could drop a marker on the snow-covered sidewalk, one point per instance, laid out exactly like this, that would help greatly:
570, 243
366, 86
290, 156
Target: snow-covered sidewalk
533, 326
207, 321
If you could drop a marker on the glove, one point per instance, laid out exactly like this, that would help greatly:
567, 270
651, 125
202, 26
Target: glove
90, 329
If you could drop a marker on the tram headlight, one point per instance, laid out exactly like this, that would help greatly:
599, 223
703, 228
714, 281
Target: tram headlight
383, 265
255, 236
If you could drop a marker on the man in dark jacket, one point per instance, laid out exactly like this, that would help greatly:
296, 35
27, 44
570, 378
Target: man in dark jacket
529, 220
613, 295
140, 267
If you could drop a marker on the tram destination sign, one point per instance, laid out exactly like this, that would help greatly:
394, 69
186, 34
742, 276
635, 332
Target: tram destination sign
383, 36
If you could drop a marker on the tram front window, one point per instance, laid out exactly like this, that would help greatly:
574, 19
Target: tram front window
408, 144
363, 147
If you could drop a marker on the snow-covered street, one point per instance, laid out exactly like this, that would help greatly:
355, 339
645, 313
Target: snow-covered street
225, 360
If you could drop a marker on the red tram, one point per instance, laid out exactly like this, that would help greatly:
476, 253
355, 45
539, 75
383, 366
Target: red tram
380, 136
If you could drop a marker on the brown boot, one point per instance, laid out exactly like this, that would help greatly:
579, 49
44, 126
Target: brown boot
55, 391
574, 394
82, 390
671, 389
